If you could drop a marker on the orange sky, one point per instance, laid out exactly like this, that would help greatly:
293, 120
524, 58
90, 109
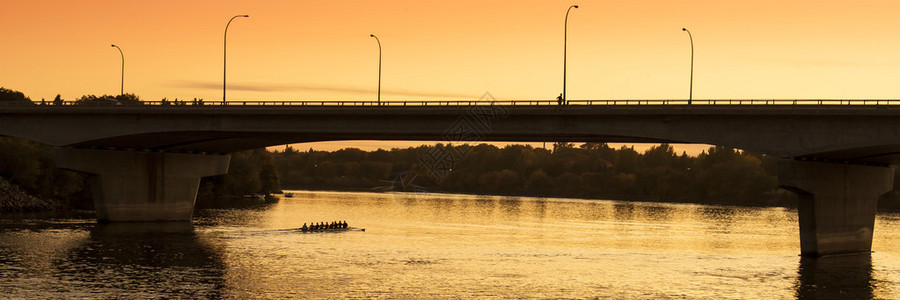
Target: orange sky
452, 49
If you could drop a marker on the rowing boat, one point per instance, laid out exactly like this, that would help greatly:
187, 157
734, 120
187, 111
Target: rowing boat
330, 230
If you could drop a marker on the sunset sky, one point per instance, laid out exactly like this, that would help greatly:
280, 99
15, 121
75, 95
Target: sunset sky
313, 50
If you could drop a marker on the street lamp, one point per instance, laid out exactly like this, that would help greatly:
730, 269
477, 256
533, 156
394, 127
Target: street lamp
691, 93
122, 86
565, 33
379, 67
224, 53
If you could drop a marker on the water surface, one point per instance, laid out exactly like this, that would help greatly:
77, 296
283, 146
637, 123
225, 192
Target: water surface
442, 246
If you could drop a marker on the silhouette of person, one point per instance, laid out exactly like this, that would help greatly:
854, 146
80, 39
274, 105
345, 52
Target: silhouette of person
559, 99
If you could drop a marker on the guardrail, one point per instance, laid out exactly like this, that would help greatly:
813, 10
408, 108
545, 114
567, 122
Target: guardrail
422, 103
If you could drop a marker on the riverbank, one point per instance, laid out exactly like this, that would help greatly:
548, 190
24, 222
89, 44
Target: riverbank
14, 199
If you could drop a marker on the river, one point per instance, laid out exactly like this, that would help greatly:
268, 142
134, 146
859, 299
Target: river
442, 246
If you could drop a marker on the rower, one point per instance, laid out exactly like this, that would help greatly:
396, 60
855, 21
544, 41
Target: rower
344, 225
304, 228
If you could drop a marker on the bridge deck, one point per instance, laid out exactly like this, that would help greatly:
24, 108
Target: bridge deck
848, 132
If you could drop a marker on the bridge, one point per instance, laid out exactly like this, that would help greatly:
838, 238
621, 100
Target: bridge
837, 155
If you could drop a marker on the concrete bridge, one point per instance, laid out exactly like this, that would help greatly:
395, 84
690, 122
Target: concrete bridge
837, 155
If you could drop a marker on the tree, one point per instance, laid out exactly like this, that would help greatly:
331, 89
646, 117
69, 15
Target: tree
662, 156
130, 99
539, 183
31, 166
563, 146
10, 97
107, 100
249, 172
729, 174
626, 160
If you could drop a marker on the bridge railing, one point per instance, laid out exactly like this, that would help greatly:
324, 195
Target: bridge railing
419, 103
740, 102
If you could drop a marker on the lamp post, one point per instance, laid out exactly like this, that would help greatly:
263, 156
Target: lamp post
565, 34
379, 67
224, 54
691, 92
122, 86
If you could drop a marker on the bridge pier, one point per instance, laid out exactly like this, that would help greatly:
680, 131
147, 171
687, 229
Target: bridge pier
142, 186
837, 203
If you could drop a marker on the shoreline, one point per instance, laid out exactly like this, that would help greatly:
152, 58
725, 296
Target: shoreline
14, 199
791, 202
15, 202
711, 202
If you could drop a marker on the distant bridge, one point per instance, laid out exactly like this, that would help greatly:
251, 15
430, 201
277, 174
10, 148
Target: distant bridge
837, 154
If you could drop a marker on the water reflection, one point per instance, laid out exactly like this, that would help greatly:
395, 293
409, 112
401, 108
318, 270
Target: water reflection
624, 211
143, 260
510, 205
722, 217
165, 244
442, 246
658, 213
540, 208
836, 277
30, 250
241, 217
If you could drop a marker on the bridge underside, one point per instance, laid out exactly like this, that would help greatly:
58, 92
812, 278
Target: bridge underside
845, 134
228, 142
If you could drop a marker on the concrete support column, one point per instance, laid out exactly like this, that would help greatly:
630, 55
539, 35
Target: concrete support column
837, 203
142, 186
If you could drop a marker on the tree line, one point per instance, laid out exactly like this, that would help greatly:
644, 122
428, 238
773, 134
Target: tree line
10, 97
718, 175
591, 170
